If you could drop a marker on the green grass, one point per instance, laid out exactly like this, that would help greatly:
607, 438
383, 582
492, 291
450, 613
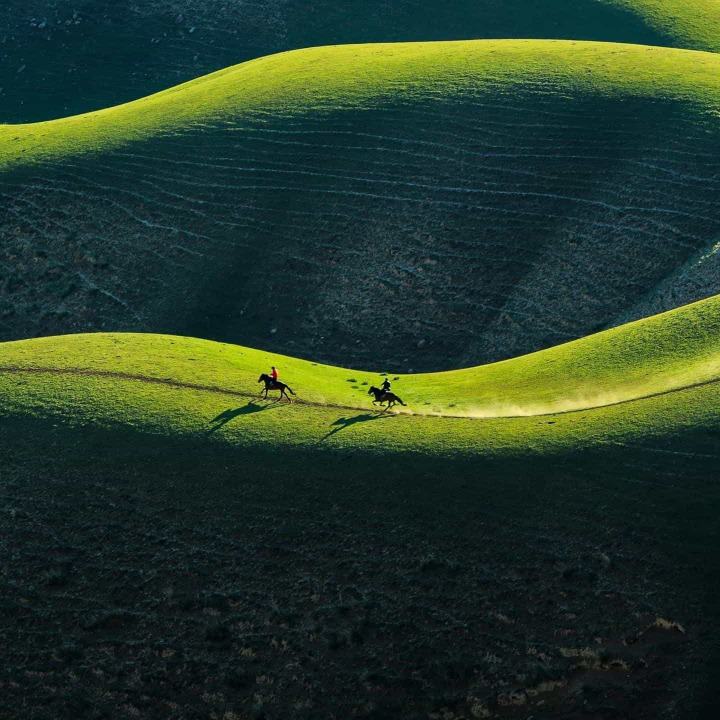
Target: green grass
328, 79
691, 23
650, 379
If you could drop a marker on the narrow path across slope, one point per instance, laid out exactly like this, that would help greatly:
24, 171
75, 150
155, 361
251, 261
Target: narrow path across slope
239, 393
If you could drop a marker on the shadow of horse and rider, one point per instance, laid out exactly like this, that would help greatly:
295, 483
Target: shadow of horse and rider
381, 397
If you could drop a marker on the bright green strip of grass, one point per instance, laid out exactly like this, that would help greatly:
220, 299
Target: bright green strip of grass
327, 79
694, 23
667, 364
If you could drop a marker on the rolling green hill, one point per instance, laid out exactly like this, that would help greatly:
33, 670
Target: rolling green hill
459, 197
331, 79
653, 378
62, 58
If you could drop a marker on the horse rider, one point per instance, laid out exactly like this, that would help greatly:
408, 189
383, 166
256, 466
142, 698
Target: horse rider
385, 387
274, 374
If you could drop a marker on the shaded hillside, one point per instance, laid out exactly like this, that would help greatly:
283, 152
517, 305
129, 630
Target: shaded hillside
421, 206
61, 58
181, 576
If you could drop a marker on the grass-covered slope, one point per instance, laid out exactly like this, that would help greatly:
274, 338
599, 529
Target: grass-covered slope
59, 58
420, 205
330, 79
653, 378
691, 24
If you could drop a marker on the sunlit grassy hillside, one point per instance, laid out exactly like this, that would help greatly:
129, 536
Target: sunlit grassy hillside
655, 377
690, 23
330, 79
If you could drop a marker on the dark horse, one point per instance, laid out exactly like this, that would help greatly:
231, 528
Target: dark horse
382, 396
271, 384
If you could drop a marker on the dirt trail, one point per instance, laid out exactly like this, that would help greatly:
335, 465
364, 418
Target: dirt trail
238, 393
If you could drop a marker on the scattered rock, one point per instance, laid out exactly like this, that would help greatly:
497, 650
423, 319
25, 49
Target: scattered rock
664, 624
42, 25
516, 697
422, 343
273, 331
21, 68
179, 19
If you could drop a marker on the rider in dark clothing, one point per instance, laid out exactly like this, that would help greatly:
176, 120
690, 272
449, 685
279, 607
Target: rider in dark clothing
385, 387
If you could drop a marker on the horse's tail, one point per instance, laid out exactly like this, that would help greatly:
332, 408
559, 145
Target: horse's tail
400, 401
287, 387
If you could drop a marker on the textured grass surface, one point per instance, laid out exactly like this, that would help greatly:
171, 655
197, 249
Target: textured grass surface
178, 573
218, 531
653, 377
327, 79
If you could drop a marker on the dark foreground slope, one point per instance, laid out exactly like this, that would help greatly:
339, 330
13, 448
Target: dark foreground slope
143, 577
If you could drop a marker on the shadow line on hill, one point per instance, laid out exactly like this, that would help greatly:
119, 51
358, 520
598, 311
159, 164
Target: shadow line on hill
231, 413
345, 422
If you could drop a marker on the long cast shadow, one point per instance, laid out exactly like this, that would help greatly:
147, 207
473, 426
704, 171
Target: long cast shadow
343, 422
231, 413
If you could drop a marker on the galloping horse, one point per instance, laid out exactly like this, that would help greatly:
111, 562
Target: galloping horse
382, 396
271, 384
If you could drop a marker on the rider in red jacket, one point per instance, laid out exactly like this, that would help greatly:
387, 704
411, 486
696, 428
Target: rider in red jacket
274, 374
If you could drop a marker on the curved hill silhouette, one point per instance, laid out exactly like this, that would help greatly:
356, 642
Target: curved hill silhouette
411, 205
